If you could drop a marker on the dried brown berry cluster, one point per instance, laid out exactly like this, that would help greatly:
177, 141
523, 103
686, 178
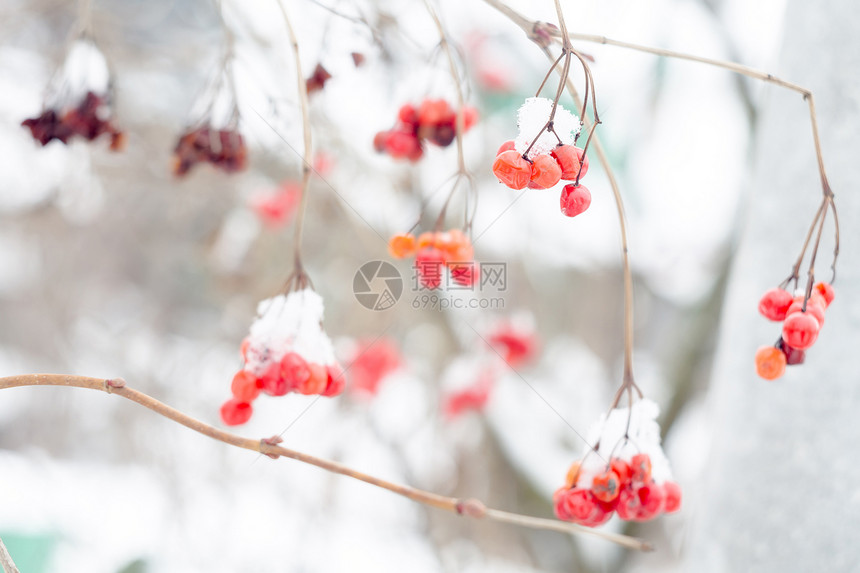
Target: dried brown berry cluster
88, 119
223, 148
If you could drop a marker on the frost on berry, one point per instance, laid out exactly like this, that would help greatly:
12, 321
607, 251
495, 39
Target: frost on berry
286, 351
628, 474
531, 119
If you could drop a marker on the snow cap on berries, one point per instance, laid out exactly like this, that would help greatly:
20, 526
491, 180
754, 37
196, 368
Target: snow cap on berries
644, 436
532, 117
289, 323
84, 70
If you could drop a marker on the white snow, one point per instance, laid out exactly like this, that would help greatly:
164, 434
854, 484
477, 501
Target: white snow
286, 323
531, 119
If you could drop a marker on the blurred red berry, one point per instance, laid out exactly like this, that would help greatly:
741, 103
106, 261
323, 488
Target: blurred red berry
792, 355
429, 264
271, 381
826, 291
570, 159
606, 486
641, 503
774, 304
673, 497
640, 468
813, 308
335, 380
800, 330
580, 506
235, 412
511, 169
294, 371
244, 386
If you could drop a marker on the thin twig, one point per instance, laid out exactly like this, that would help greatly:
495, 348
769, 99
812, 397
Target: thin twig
6, 559
308, 145
468, 507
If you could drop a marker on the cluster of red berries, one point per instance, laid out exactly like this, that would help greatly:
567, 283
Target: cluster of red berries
433, 252
434, 121
625, 488
89, 119
291, 373
223, 148
275, 209
565, 162
515, 346
801, 322
473, 397
371, 362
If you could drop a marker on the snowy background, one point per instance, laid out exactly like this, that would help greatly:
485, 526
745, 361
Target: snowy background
109, 267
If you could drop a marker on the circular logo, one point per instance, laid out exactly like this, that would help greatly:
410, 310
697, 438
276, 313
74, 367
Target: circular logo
377, 285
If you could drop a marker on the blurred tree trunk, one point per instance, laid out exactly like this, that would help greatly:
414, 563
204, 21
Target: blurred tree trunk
783, 492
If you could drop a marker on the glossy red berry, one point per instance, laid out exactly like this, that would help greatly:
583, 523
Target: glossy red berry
245, 386
545, 172
813, 307
511, 169
575, 199
335, 380
622, 469
800, 330
641, 503
774, 304
580, 506
294, 371
673, 497
507, 146
640, 468
570, 158
770, 362
271, 382
235, 412
826, 291
606, 486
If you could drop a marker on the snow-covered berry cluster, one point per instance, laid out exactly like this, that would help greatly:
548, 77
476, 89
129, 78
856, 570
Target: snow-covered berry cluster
80, 103
626, 473
286, 350
541, 162
801, 319
435, 251
434, 120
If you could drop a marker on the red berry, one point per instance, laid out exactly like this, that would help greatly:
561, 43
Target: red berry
812, 307
235, 412
401, 245
271, 381
507, 146
403, 145
622, 469
545, 172
408, 115
606, 486
800, 330
641, 503
575, 199
244, 386
569, 159
673, 497
243, 349
434, 111
580, 506
335, 380
792, 355
774, 304
316, 382
470, 117
826, 291
511, 169
380, 141
640, 468
770, 362
294, 371
465, 274
429, 263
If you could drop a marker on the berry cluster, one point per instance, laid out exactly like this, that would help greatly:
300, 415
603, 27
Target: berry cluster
433, 252
565, 162
223, 148
625, 487
89, 119
434, 121
801, 319
285, 351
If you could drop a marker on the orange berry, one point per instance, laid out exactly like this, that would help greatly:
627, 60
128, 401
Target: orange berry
546, 172
427, 239
572, 474
244, 386
511, 169
507, 146
457, 246
769, 362
318, 380
402, 245
569, 159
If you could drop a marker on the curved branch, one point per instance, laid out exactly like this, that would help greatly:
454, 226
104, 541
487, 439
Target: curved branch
469, 507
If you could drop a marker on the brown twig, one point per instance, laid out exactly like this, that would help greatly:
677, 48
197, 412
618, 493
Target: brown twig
6, 560
468, 507
307, 156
